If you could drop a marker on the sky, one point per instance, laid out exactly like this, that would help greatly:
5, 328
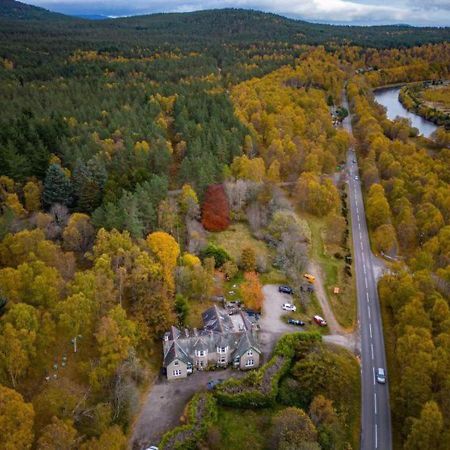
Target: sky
365, 12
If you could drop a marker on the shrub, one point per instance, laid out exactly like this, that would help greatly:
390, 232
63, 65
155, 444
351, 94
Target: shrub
218, 253
259, 389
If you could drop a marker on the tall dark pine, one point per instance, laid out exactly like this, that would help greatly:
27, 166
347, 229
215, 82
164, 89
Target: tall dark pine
57, 186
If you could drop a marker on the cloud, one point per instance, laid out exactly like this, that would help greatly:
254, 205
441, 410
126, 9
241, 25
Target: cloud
418, 12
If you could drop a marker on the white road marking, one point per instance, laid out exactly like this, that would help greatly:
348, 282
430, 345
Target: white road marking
371, 351
373, 368
361, 245
367, 296
370, 329
368, 312
376, 436
364, 269
365, 282
359, 225
375, 402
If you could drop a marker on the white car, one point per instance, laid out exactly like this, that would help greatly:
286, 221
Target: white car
356, 178
289, 307
381, 376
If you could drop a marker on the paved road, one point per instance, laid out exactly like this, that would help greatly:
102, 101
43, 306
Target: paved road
376, 416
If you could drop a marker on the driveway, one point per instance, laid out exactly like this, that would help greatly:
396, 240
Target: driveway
271, 325
165, 404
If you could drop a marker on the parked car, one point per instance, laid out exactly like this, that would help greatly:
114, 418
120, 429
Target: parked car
289, 307
309, 277
285, 290
252, 313
381, 376
298, 323
320, 321
213, 383
152, 447
356, 178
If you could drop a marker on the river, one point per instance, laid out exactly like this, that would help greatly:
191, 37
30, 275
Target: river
388, 97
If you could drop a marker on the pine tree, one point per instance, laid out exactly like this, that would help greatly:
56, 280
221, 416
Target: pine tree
57, 186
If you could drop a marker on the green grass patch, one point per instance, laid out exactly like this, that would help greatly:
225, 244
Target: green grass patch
344, 303
243, 429
236, 238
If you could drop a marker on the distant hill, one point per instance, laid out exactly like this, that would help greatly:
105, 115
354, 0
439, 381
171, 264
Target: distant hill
195, 30
21, 11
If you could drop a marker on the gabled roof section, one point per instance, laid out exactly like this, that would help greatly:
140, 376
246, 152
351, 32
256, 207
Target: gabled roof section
246, 342
215, 320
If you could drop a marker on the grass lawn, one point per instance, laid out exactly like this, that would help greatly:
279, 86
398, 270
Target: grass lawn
236, 238
343, 304
243, 429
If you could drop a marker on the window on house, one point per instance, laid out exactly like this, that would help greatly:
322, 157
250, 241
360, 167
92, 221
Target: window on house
250, 352
201, 363
249, 362
223, 359
201, 352
222, 349
175, 363
176, 372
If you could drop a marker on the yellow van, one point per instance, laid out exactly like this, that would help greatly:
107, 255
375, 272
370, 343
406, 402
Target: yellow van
310, 277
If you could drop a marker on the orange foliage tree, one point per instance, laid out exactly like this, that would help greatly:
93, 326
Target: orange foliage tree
216, 209
251, 291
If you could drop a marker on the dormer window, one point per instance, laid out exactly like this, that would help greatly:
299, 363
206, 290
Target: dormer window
250, 352
175, 363
222, 349
200, 353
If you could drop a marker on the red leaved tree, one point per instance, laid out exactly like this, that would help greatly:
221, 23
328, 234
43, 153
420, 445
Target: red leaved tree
215, 209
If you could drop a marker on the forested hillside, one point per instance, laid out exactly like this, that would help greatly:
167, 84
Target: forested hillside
128, 146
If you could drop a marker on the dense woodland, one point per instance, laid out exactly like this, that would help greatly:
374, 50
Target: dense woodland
122, 143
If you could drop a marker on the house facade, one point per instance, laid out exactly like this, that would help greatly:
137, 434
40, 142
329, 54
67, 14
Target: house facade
220, 343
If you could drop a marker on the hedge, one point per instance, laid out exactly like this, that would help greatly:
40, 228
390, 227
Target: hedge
259, 389
201, 414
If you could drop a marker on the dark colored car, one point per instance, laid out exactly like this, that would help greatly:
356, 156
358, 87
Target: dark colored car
285, 290
298, 323
252, 313
213, 383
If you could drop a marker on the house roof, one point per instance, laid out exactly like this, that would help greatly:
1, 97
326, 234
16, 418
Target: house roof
218, 331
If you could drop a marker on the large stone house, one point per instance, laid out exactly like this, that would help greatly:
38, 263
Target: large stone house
221, 342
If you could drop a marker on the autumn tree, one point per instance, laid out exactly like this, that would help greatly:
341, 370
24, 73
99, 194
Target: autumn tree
316, 196
189, 203
32, 193
251, 291
291, 427
79, 233
215, 209
166, 250
16, 421
248, 259
426, 431
58, 435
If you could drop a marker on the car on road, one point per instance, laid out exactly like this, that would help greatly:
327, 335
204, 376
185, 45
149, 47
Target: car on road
213, 383
320, 321
285, 290
356, 177
289, 307
381, 375
298, 323
354, 161
152, 447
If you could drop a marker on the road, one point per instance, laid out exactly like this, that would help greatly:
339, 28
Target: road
376, 416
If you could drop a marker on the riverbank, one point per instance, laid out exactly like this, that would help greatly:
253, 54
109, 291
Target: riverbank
411, 99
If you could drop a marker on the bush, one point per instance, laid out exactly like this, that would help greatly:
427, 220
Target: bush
218, 253
259, 389
201, 414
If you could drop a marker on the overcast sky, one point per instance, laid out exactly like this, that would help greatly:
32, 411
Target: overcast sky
414, 12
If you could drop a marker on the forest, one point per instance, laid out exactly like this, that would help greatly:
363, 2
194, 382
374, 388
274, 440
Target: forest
128, 146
